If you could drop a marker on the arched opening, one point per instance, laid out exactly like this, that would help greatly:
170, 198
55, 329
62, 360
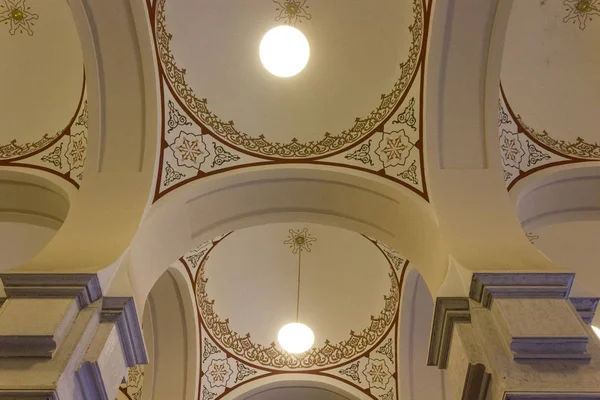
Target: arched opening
171, 340
416, 316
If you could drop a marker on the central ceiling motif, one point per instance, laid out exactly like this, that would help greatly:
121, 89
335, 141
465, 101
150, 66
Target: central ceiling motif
343, 110
238, 326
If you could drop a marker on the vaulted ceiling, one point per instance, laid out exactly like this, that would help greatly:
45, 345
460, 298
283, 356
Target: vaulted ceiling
357, 105
43, 108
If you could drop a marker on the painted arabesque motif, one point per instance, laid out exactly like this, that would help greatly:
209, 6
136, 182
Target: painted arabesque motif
366, 360
387, 143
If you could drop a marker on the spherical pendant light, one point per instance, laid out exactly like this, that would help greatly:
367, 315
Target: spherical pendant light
284, 51
596, 331
296, 338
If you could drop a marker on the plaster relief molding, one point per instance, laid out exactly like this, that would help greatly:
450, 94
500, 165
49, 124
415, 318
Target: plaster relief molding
84, 287
21, 337
586, 307
448, 311
485, 286
122, 312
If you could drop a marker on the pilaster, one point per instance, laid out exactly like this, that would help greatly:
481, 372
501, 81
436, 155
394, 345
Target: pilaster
61, 339
517, 337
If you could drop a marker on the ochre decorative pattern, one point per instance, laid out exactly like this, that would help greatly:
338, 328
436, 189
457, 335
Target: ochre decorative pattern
362, 154
76, 150
189, 150
535, 155
410, 174
377, 373
387, 350
300, 240
171, 175
55, 157
510, 149
579, 149
271, 356
209, 350
388, 396
262, 146
292, 11
222, 156
352, 371
394, 148
18, 16
14, 149
63, 153
132, 387
219, 373
243, 372
207, 395
407, 116
581, 11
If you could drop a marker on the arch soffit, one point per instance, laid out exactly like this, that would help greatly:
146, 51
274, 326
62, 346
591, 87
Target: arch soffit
121, 141
466, 185
185, 218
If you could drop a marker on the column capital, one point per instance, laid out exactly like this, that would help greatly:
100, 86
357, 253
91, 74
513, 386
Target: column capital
518, 336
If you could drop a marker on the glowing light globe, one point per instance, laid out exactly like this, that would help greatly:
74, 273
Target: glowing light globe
596, 331
296, 338
284, 51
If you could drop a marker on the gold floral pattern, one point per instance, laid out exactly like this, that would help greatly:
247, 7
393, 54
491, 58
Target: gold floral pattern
292, 11
189, 150
511, 149
300, 240
410, 174
387, 349
55, 156
377, 373
271, 356
362, 154
76, 150
260, 145
218, 373
581, 11
579, 149
388, 396
394, 148
18, 16
14, 149
352, 372
132, 386
408, 115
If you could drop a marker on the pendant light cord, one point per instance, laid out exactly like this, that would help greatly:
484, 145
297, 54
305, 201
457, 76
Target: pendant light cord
298, 293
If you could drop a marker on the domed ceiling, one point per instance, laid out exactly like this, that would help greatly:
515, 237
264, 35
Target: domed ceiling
43, 108
550, 86
246, 286
356, 105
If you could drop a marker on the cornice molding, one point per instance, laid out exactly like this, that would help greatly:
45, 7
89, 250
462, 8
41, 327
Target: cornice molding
448, 311
585, 306
485, 286
477, 382
84, 287
121, 311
